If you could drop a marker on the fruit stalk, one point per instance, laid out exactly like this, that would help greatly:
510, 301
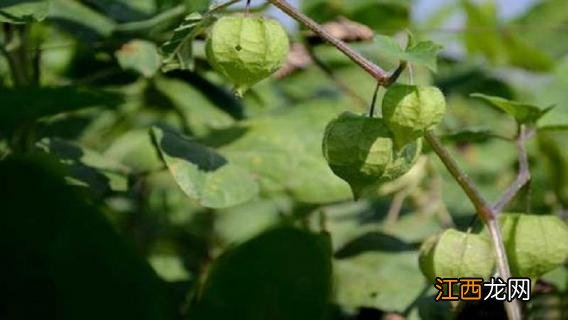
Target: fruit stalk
483, 209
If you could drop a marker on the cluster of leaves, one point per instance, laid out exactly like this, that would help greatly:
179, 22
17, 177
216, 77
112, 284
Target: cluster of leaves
136, 186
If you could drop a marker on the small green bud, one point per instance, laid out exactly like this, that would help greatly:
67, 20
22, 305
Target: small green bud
535, 244
456, 254
409, 111
246, 49
359, 149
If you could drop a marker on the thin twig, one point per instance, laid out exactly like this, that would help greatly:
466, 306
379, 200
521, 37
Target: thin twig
396, 207
524, 175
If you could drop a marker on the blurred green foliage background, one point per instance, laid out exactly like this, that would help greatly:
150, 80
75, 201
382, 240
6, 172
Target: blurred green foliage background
134, 185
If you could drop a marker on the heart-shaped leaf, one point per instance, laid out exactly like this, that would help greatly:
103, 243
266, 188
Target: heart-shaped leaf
202, 173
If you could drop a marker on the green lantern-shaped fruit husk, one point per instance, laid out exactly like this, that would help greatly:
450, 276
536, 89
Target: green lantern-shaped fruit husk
456, 254
411, 110
360, 150
246, 49
535, 244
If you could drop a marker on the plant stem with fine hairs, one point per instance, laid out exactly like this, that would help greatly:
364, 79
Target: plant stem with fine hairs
483, 209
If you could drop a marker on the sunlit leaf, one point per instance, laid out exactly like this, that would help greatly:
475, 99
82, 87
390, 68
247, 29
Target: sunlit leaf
523, 113
202, 173
140, 56
284, 151
422, 53
389, 281
135, 150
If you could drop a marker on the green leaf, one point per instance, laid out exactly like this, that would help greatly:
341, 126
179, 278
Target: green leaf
87, 167
284, 151
553, 128
284, 273
202, 173
389, 281
13, 11
141, 56
545, 13
523, 113
240, 223
178, 51
202, 106
468, 136
422, 53
26, 104
455, 254
135, 150
535, 244
503, 46
80, 20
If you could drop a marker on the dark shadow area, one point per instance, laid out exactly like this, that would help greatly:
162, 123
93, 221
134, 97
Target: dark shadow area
221, 137
373, 241
176, 146
117, 10
30, 103
284, 273
61, 259
482, 310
